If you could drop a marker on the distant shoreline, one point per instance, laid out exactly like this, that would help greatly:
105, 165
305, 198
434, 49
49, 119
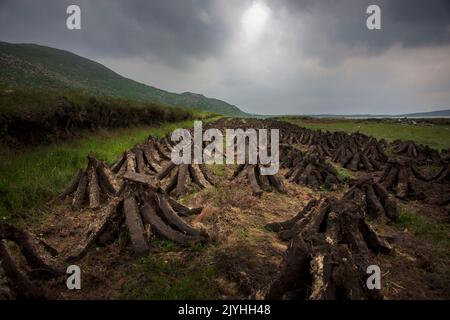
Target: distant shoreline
385, 117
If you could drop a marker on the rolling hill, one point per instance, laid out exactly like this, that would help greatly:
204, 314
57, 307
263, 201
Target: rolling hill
41, 67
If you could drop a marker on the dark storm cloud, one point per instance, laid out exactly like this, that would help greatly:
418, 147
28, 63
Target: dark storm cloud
172, 30
342, 25
411, 22
177, 30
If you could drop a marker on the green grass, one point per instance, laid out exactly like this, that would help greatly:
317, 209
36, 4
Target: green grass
435, 136
242, 233
422, 225
343, 174
170, 279
217, 169
165, 245
31, 178
170, 246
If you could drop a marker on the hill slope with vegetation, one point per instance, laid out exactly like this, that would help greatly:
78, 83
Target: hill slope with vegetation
41, 67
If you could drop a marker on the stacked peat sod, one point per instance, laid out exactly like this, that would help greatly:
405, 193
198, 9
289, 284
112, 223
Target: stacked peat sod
330, 249
252, 173
372, 197
406, 180
144, 210
443, 175
322, 150
154, 158
99, 182
289, 156
374, 150
354, 151
176, 178
40, 259
445, 155
440, 183
144, 158
419, 153
312, 170
326, 141
359, 152
401, 177
134, 199
258, 182
352, 155
95, 185
287, 229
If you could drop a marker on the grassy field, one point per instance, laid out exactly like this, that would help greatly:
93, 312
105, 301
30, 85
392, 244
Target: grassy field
32, 177
421, 224
435, 136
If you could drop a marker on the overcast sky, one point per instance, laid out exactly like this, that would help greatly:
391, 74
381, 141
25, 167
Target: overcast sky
269, 57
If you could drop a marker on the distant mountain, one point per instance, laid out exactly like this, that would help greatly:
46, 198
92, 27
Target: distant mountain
41, 67
439, 113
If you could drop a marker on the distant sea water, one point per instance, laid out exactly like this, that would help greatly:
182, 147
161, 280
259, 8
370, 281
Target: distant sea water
396, 117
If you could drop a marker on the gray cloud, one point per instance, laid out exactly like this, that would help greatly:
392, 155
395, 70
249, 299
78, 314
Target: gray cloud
285, 56
337, 29
174, 31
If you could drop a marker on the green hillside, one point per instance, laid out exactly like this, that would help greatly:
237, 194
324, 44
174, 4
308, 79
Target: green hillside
40, 67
